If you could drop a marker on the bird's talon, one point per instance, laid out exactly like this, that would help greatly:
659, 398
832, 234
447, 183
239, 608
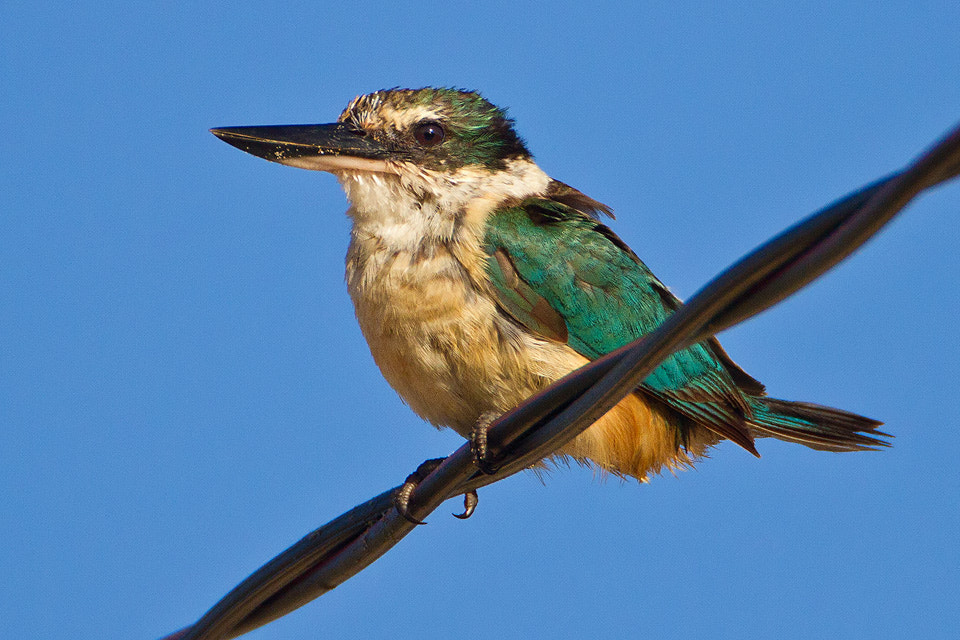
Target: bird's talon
470, 500
401, 499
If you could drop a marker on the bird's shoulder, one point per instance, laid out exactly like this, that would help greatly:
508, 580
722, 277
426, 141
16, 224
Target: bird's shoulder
559, 270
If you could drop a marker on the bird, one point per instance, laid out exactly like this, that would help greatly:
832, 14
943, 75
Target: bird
478, 280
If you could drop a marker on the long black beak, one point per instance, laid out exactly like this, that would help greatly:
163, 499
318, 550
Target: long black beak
321, 147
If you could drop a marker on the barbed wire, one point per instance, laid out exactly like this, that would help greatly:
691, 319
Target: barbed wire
542, 424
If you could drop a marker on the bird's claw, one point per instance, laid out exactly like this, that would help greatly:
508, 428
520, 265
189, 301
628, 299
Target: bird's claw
401, 499
470, 500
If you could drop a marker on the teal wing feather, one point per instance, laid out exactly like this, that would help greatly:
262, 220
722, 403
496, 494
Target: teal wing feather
562, 274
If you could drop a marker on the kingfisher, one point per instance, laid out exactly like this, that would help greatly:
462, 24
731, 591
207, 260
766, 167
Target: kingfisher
478, 280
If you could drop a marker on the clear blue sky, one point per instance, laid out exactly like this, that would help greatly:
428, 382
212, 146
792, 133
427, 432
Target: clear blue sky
184, 390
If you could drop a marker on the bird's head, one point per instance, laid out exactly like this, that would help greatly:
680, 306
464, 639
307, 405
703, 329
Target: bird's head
427, 149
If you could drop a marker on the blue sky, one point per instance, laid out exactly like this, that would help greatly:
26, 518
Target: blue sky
184, 390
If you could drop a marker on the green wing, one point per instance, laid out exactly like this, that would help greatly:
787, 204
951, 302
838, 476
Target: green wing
562, 274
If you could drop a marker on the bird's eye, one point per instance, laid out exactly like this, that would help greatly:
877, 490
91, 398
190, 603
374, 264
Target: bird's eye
429, 134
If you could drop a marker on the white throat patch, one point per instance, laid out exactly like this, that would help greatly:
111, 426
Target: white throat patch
416, 205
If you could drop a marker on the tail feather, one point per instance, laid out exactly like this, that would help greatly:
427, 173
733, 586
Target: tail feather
816, 426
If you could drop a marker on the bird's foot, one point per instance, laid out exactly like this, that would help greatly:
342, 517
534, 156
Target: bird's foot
401, 499
478, 442
470, 500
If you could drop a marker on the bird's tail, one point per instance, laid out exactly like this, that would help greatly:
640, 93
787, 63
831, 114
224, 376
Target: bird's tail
816, 426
